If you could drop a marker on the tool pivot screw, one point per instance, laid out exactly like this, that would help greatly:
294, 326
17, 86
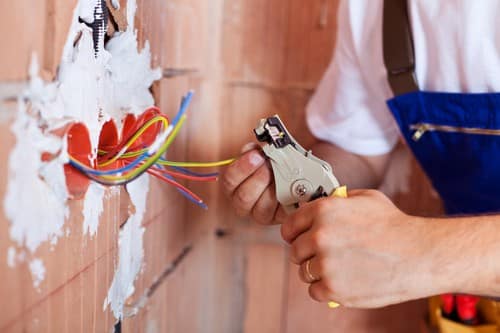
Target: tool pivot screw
301, 190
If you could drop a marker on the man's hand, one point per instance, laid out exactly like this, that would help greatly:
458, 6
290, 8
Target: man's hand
249, 183
363, 251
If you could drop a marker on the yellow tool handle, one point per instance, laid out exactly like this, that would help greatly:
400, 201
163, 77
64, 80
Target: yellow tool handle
340, 192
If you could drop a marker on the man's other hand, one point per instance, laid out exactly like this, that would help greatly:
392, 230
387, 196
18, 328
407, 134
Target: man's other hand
249, 183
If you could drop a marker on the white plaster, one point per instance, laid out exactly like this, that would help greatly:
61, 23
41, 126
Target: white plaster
81, 87
35, 210
131, 9
92, 208
88, 90
11, 256
86, 10
131, 251
37, 269
115, 4
132, 75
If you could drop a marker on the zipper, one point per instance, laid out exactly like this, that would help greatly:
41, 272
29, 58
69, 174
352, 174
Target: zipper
422, 128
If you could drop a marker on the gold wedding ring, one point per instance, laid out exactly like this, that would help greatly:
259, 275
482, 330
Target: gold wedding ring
307, 272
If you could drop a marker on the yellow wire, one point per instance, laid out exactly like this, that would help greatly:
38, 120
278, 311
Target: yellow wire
134, 153
135, 137
197, 164
153, 159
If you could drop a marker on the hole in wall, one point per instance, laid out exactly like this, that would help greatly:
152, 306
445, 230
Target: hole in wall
118, 327
79, 146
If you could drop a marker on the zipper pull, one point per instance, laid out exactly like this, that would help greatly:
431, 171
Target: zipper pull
421, 129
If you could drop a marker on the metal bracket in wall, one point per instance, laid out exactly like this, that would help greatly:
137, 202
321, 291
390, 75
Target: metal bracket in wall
170, 72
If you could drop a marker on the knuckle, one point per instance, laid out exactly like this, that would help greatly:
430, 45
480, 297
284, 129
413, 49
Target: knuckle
285, 231
244, 198
324, 206
262, 215
322, 266
318, 239
373, 193
228, 179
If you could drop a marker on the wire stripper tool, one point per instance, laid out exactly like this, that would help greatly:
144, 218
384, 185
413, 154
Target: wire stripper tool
299, 175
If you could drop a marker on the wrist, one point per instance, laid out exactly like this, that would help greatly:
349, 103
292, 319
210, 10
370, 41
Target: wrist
460, 256
442, 256
428, 271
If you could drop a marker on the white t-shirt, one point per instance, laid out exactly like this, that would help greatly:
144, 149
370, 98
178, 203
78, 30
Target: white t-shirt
457, 49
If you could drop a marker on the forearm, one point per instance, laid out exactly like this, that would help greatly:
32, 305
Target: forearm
464, 255
355, 171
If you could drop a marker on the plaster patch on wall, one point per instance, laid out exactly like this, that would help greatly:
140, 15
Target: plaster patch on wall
130, 251
37, 269
92, 208
116, 4
14, 256
11, 256
31, 181
89, 90
132, 75
86, 10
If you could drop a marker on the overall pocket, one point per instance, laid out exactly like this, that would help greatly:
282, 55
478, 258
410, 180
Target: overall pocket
463, 164
421, 128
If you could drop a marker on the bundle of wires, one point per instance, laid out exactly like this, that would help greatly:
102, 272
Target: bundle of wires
134, 163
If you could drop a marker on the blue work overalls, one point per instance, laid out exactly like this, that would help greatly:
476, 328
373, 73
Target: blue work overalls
454, 136
456, 139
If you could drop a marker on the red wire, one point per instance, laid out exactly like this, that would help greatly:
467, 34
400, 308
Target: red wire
173, 182
184, 176
110, 154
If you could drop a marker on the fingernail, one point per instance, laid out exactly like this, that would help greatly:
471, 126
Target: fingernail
249, 146
255, 159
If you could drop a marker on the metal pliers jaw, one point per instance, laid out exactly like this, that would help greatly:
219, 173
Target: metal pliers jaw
298, 174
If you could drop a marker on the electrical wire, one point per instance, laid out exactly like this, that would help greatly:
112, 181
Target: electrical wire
184, 176
135, 137
197, 174
196, 164
134, 163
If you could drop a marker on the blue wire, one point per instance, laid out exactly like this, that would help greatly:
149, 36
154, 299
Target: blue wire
193, 200
113, 171
187, 195
186, 100
184, 104
196, 174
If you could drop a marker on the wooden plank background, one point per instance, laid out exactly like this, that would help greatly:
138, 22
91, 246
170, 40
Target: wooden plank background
252, 58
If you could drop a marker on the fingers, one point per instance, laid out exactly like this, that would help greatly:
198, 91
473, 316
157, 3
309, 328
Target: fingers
302, 248
248, 183
297, 224
320, 292
249, 146
308, 271
281, 216
246, 196
241, 169
266, 207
